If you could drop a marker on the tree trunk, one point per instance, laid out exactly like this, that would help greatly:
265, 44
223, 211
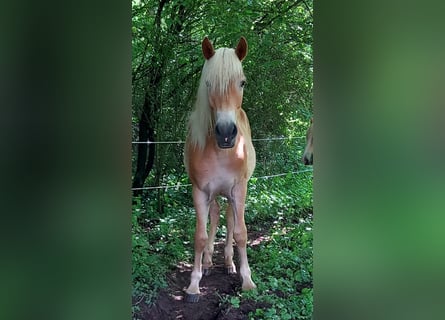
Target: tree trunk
145, 152
152, 105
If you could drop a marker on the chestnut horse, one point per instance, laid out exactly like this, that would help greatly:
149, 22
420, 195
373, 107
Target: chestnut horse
308, 156
219, 158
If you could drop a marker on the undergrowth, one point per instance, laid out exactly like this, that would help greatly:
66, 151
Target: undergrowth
279, 209
159, 241
282, 258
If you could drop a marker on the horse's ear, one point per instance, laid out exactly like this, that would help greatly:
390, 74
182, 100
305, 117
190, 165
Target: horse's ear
207, 48
241, 49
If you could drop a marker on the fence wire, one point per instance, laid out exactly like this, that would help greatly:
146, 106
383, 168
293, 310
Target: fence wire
182, 142
178, 185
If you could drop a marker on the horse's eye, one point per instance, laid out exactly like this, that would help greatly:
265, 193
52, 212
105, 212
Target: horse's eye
243, 83
208, 84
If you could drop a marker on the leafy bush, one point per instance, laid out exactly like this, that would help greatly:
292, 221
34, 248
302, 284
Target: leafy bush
158, 243
282, 262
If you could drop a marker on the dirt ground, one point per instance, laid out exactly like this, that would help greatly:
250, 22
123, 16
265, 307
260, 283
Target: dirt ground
214, 287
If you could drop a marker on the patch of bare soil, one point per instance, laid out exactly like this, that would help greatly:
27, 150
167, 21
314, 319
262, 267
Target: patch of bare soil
170, 303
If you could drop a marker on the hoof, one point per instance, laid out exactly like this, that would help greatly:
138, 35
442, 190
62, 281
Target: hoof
191, 297
230, 270
206, 271
248, 287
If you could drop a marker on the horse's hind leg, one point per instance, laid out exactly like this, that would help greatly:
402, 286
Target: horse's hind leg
208, 251
228, 250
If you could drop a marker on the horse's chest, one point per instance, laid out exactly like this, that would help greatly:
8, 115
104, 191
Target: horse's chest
221, 183
219, 176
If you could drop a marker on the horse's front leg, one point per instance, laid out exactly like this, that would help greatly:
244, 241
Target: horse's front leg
208, 251
201, 203
240, 233
228, 250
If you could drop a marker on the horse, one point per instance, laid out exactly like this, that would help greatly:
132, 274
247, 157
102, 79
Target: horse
219, 158
308, 156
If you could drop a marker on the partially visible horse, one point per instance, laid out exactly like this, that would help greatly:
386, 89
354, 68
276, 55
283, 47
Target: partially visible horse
220, 159
308, 156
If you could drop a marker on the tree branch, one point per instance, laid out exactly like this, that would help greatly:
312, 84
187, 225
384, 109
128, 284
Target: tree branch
268, 18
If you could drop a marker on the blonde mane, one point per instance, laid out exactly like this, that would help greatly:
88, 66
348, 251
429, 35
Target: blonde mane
217, 74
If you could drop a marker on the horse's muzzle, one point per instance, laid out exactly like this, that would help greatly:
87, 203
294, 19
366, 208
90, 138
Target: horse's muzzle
308, 160
226, 135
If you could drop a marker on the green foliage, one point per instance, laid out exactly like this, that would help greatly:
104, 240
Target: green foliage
147, 269
167, 62
283, 257
158, 242
230, 301
281, 198
277, 208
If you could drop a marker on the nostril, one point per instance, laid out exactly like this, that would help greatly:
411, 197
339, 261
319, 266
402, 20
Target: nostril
217, 130
234, 131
